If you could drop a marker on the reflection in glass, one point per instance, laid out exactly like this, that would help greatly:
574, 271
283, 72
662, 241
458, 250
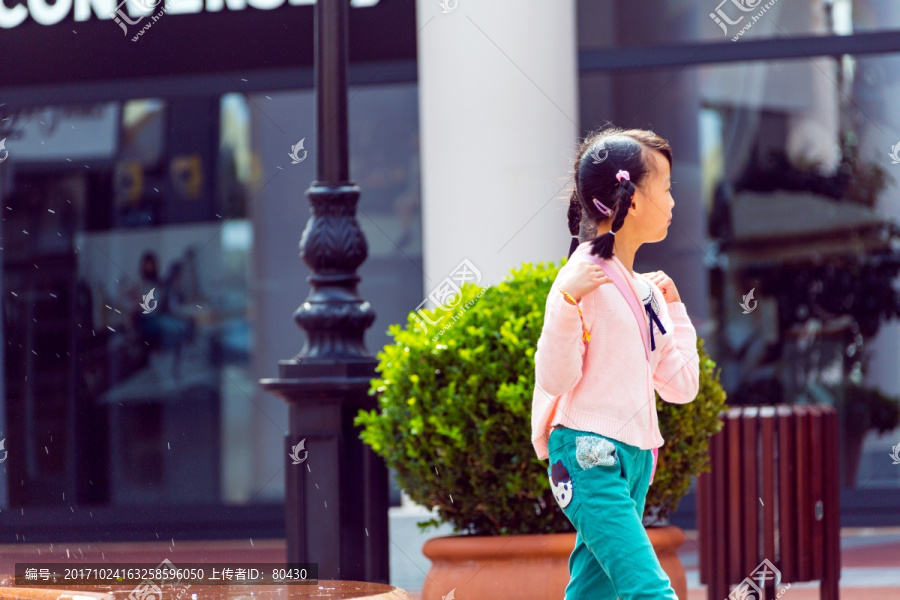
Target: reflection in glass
803, 210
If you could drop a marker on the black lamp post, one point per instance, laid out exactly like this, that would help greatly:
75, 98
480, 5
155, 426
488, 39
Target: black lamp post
336, 498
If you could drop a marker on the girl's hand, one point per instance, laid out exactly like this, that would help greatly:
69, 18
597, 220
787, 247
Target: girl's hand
665, 284
583, 278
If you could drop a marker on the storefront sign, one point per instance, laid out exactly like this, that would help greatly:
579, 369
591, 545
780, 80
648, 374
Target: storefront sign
47, 13
52, 42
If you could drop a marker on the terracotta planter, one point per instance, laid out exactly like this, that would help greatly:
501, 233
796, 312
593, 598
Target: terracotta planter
523, 567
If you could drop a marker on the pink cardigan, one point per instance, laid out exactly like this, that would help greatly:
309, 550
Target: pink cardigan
605, 385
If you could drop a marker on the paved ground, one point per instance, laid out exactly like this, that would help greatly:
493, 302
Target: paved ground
870, 560
870, 557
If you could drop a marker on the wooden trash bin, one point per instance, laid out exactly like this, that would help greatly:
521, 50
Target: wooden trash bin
769, 509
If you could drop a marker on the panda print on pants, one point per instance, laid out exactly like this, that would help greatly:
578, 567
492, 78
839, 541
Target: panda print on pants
561, 484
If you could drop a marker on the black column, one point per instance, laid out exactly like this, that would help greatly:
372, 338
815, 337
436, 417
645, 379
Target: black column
336, 498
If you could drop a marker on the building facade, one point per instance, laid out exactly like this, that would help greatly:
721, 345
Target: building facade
153, 177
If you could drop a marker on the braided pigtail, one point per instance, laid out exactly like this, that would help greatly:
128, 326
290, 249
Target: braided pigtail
574, 215
581, 225
603, 245
575, 211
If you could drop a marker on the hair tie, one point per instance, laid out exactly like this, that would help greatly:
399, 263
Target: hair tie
623, 175
602, 208
611, 232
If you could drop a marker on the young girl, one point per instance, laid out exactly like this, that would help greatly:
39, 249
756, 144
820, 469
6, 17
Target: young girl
594, 410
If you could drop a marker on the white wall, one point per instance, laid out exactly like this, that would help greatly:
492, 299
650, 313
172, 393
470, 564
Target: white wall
498, 119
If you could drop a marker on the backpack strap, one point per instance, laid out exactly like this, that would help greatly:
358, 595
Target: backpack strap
612, 271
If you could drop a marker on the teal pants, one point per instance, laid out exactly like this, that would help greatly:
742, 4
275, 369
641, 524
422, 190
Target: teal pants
601, 485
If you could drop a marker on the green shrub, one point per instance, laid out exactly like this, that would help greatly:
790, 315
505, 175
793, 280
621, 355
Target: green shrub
454, 416
686, 428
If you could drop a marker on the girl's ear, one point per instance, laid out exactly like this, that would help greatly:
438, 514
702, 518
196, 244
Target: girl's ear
636, 198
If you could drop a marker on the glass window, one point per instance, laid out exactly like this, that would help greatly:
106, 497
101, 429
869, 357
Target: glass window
149, 275
646, 24
800, 188
786, 187
871, 15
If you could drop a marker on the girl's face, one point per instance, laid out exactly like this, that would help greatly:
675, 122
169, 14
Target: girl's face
653, 202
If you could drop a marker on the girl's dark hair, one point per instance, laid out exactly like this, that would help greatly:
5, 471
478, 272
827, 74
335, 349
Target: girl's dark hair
600, 156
